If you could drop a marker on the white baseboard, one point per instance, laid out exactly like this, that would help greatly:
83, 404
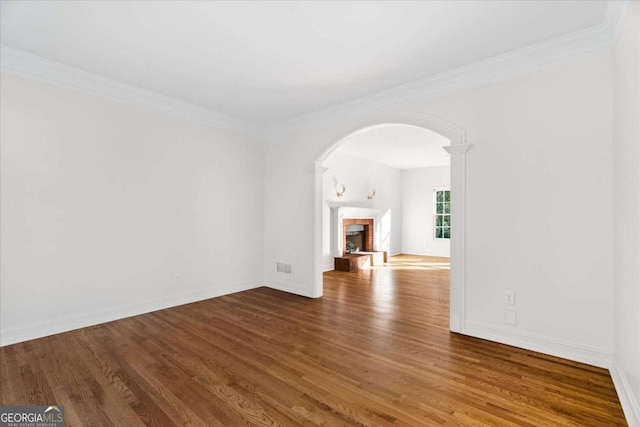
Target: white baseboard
295, 289
542, 344
421, 254
41, 329
327, 267
454, 324
629, 402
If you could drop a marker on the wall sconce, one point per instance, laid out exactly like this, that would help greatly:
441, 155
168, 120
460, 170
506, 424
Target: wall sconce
340, 190
372, 195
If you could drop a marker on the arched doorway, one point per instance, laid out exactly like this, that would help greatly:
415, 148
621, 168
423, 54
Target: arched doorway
457, 148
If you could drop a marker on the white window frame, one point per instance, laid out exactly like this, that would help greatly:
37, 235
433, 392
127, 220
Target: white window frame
434, 204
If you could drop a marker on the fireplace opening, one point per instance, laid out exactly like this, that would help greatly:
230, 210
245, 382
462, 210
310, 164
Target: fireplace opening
357, 235
355, 238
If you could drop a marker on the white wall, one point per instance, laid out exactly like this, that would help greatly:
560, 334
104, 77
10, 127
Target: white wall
359, 176
545, 137
109, 210
417, 211
626, 204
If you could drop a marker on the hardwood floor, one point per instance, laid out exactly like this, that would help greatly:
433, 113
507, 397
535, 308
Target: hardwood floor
375, 350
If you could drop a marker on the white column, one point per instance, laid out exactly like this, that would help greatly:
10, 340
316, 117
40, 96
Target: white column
318, 171
458, 236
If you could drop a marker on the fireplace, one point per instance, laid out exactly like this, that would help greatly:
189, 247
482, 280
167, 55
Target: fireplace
357, 235
356, 251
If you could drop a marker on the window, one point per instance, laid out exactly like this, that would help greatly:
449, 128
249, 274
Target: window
441, 213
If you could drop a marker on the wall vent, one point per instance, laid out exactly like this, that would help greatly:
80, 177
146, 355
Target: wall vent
281, 267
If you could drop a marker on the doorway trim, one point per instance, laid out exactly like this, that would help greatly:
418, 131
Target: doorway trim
457, 149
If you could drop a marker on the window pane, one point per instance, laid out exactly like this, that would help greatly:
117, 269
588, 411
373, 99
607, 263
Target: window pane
442, 214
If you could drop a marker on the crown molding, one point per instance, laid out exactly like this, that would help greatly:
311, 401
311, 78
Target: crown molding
539, 56
17, 62
613, 16
543, 55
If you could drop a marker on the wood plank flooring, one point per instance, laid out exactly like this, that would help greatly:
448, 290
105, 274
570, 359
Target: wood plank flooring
374, 351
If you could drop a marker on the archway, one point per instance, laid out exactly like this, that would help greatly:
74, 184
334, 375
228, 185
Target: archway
457, 148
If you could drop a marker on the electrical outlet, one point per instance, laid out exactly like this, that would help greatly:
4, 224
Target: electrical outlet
509, 297
509, 316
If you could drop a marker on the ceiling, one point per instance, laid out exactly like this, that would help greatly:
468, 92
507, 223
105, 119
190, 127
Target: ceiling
398, 146
267, 62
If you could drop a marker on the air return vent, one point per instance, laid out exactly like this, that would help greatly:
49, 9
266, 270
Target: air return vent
281, 267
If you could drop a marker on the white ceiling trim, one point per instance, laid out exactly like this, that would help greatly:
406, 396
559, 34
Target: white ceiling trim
539, 56
14, 61
613, 16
